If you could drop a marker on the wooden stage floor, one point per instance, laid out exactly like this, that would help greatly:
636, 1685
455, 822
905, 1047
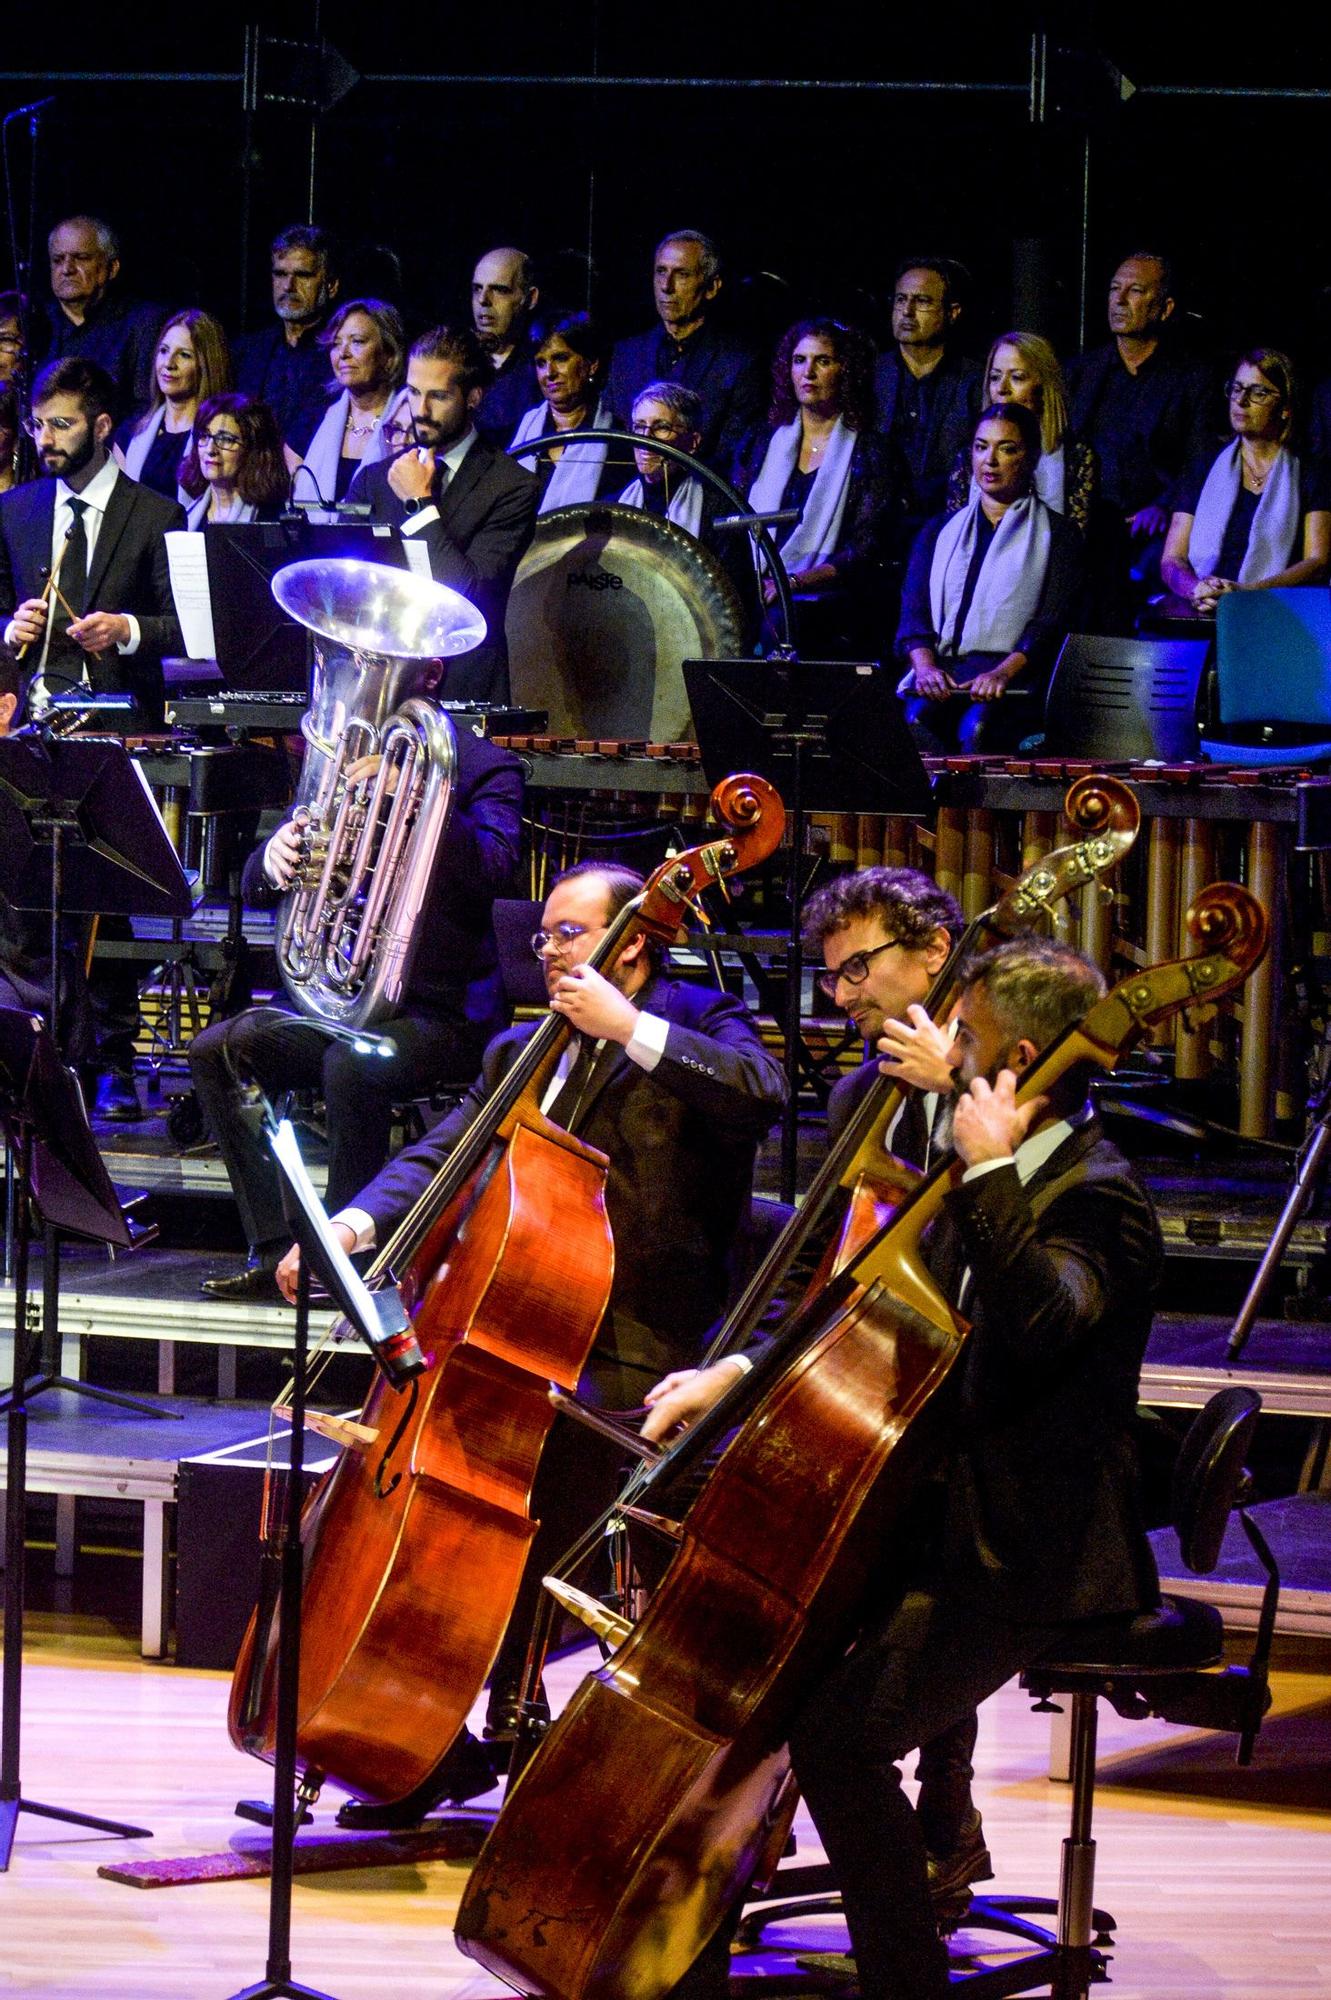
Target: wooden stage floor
1220, 1879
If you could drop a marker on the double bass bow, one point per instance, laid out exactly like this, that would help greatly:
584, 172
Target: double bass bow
415, 1543
642, 1814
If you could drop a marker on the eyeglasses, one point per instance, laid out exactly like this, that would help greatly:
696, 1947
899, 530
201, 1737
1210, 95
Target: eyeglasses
661, 432
1251, 392
34, 426
560, 938
854, 970
220, 440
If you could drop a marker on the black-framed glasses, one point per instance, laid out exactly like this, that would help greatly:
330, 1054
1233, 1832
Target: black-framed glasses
661, 432
561, 936
1251, 392
221, 440
854, 970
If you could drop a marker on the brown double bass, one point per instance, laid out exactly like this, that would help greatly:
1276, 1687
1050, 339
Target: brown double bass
415, 1543
644, 1810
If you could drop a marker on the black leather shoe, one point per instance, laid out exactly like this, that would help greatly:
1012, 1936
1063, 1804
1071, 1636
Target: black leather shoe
951, 1874
256, 1281
466, 1773
117, 1099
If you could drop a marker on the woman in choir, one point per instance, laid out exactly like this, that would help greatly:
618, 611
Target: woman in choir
192, 361
1258, 515
10, 437
571, 357
988, 596
1023, 368
234, 469
367, 349
820, 455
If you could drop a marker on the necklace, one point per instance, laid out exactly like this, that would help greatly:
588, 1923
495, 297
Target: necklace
364, 430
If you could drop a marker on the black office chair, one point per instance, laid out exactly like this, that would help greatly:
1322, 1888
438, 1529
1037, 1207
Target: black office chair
1126, 699
1165, 1663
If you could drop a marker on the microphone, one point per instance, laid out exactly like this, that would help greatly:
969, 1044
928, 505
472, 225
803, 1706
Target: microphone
786, 518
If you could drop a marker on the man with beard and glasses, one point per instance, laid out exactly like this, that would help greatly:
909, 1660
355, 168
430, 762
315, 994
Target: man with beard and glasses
108, 627
473, 507
286, 366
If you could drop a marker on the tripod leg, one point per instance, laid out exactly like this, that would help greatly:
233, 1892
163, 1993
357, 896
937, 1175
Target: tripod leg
40, 1383
120, 1829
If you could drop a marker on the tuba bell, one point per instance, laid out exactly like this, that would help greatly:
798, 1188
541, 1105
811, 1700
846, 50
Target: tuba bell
347, 928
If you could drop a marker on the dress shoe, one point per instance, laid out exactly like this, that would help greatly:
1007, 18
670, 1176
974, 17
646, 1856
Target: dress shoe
117, 1099
466, 1773
951, 1874
256, 1281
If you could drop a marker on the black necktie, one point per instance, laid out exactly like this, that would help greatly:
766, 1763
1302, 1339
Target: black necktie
72, 580
567, 1102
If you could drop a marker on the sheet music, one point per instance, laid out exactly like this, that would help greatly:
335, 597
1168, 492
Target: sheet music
187, 560
351, 1292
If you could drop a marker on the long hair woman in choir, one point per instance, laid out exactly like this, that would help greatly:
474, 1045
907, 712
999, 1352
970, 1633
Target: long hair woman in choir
1257, 515
191, 362
1023, 368
988, 597
367, 351
571, 357
234, 470
819, 454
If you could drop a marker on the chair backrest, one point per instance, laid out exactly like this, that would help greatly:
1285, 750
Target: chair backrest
1125, 698
1273, 656
514, 920
1208, 1473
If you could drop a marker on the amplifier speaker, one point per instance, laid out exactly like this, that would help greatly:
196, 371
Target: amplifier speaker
219, 1507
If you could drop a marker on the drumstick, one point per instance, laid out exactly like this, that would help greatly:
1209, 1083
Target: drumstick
47, 588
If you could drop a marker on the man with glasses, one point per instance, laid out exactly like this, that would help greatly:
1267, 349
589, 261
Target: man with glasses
672, 1082
84, 587
927, 393
286, 365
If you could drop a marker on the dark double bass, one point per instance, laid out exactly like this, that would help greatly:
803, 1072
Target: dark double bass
415, 1543
644, 1811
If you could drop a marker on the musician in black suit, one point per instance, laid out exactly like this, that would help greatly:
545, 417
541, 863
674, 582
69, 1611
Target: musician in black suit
473, 507
1031, 1524
105, 533
672, 1082
452, 1004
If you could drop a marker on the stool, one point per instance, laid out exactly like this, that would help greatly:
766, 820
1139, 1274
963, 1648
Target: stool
1166, 1663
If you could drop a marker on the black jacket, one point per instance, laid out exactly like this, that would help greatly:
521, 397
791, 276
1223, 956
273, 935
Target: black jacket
508, 398
954, 404
484, 523
119, 334
1052, 616
874, 518
128, 573
455, 972
720, 370
1173, 416
295, 382
681, 1141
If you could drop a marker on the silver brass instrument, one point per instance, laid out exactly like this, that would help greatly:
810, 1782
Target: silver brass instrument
347, 929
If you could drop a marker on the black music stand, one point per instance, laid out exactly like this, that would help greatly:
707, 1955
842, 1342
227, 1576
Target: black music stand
81, 835
59, 1170
831, 735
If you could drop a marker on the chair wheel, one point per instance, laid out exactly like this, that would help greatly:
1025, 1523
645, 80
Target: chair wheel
184, 1121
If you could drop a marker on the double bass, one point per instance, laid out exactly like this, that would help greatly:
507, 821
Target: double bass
642, 1814
415, 1543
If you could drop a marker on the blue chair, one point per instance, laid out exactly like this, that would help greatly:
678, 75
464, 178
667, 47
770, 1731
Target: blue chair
1273, 676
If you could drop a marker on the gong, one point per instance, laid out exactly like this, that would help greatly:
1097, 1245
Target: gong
607, 604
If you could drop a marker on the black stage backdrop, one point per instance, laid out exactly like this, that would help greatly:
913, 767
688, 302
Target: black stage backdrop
812, 191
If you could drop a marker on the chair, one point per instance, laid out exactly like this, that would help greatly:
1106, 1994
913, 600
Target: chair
1125, 699
1165, 1663
1273, 676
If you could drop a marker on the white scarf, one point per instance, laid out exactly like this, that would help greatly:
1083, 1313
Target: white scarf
196, 514
325, 452
1008, 588
685, 505
576, 477
816, 535
1275, 525
142, 442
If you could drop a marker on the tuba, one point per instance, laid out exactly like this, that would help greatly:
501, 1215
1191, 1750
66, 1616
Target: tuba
347, 928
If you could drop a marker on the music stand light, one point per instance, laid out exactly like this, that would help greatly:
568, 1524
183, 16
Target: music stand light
831, 735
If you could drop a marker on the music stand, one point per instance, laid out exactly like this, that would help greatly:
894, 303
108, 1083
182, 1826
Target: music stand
831, 735
81, 834
57, 1168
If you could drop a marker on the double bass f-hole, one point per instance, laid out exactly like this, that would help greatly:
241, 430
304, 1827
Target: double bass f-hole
382, 1491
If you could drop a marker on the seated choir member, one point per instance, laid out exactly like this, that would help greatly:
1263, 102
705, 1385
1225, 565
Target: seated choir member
665, 412
13, 342
504, 296
471, 505
1257, 516
820, 454
11, 435
191, 363
927, 394
1023, 368
988, 596
570, 356
453, 1003
366, 349
1033, 1522
284, 364
234, 469
677, 1089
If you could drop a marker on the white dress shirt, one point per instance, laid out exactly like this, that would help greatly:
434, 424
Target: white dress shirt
95, 496
450, 461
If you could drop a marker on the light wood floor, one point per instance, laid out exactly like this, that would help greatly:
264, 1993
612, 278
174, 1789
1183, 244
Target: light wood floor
1220, 1879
